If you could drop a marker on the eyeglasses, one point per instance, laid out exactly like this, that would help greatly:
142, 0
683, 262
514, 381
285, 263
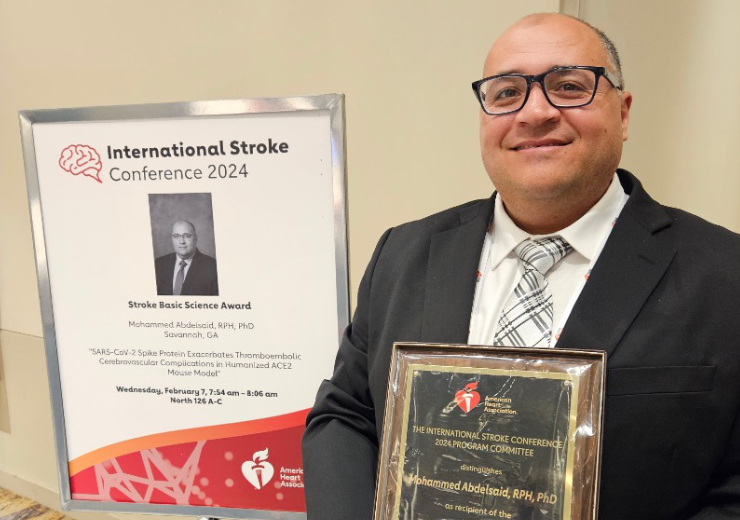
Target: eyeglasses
564, 87
186, 236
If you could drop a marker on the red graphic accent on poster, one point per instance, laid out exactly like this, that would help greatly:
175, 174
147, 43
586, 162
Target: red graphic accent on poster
468, 398
220, 472
81, 159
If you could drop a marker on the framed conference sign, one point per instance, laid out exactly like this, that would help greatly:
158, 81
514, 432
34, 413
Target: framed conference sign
192, 265
489, 432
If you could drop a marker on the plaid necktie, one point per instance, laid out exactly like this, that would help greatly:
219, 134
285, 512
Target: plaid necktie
526, 320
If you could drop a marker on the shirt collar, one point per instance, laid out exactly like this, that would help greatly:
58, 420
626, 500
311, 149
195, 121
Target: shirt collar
584, 235
188, 261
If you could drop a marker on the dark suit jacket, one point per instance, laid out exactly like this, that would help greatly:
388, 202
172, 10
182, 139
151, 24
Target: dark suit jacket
663, 301
201, 279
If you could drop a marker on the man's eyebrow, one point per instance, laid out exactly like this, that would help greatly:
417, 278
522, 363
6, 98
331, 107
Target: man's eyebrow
518, 71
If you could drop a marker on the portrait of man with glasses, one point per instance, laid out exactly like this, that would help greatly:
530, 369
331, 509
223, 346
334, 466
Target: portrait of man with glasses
185, 270
569, 252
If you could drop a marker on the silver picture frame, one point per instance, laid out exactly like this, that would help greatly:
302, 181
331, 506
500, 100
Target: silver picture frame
332, 103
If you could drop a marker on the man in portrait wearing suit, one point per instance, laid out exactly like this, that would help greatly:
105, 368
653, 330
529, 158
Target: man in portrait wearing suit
656, 288
187, 271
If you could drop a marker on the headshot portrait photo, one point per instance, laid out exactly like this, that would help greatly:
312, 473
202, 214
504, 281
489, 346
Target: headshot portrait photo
184, 244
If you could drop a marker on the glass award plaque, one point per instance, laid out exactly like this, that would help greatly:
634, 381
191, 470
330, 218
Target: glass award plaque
491, 432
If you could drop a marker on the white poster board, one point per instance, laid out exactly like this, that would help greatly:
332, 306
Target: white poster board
192, 267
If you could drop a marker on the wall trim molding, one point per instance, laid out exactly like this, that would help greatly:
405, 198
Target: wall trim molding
571, 7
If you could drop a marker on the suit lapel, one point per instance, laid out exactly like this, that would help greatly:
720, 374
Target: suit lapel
168, 275
633, 261
451, 274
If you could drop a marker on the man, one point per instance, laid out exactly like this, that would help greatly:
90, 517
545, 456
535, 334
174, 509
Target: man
660, 294
187, 271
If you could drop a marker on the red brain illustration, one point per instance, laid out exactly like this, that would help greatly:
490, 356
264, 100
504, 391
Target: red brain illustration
81, 159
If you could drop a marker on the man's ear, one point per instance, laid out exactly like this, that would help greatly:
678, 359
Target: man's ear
625, 112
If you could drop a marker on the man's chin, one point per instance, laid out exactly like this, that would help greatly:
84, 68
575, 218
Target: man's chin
538, 183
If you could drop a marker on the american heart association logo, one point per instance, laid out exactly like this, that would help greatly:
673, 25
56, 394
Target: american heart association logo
468, 398
258, 471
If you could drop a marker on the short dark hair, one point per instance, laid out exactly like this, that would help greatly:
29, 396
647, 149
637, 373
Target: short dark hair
612, 55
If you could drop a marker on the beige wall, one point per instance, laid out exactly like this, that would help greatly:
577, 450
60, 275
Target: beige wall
411, 125
405, 68
682, 65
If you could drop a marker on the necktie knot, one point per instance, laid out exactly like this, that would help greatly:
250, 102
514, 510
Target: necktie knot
543, 253
183, 263
526, 319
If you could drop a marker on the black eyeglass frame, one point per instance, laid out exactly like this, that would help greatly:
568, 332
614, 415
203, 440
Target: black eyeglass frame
540, 78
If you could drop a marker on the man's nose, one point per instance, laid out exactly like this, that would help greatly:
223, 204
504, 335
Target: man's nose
537, 109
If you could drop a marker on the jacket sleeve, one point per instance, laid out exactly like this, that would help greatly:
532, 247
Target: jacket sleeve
340, 445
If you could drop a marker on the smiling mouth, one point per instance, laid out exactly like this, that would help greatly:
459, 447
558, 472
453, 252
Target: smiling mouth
544, 145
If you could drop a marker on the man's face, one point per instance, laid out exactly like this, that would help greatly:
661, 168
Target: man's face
542, 153
184, 239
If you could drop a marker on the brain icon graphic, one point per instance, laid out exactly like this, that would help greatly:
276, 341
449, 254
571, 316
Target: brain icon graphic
81, 159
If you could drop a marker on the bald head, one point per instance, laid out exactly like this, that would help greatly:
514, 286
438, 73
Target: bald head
613, 63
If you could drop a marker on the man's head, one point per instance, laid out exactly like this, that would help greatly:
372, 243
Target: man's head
184, 239
550, 165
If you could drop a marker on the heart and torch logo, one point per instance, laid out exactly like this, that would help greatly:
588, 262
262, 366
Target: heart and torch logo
468, 398
258, 471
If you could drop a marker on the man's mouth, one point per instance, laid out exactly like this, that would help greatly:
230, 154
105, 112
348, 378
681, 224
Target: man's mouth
538, 144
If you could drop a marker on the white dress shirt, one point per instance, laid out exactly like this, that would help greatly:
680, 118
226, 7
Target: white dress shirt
500, 269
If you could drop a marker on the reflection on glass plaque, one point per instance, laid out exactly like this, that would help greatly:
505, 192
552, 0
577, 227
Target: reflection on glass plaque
492, 441
473, 433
